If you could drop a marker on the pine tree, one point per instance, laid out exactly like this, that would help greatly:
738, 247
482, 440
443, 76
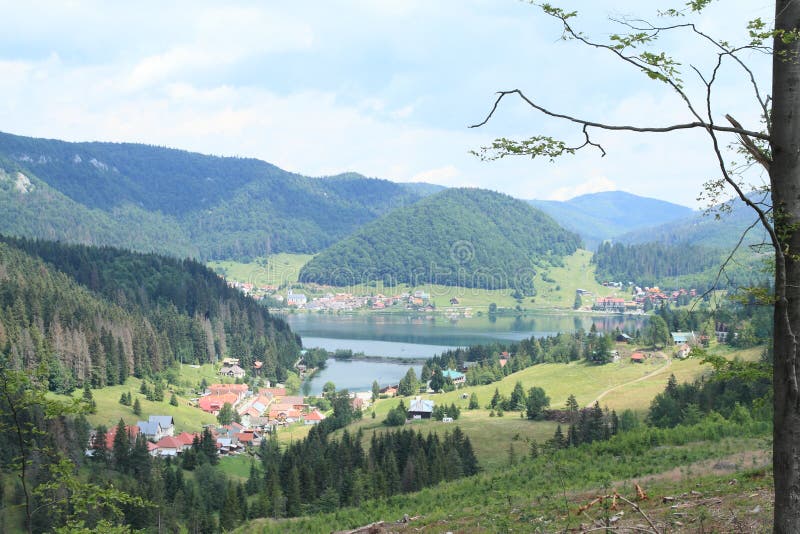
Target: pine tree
121, 448
137, 407
173, 400
495, 398
473, 401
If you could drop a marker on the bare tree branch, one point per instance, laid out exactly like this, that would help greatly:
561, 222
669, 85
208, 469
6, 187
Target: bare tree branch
641, 129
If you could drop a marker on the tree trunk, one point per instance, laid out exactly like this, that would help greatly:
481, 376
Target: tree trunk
785, 182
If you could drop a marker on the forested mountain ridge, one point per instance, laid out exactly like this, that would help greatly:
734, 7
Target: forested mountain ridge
463, 237
206, 206
719, 228
100, 314
597, 217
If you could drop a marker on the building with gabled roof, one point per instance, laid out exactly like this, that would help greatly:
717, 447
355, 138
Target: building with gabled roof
420, 408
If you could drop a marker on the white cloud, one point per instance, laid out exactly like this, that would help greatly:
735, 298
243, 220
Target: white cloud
595, 185
447, 175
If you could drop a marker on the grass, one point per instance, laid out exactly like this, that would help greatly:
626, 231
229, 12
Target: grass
632, 386
578, 272
544, 494
281, 269
237, 467
187, 418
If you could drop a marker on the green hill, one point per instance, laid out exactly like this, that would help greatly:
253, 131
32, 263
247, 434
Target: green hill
597, 217
464, 237
98, 315
185, 203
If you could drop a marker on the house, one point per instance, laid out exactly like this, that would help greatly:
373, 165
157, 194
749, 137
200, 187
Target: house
389, 391
132, 431
721, 331
610, 304
257, 365
466, 366
186, 440
234, 371
420, 408
167, 446
272, 392
157, 427
455, 376
679, 338
683, 351
314, 418
624, 338
214, 403
454, 301
637, 357
296, 299
240, 390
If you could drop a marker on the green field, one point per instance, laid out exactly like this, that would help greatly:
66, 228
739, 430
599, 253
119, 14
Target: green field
578, 272
188, 418
620, 386
280, 270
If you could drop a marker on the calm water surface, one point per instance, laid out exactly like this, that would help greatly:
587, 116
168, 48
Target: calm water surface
409, 336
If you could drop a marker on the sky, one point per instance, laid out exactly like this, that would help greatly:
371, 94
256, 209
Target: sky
384, 88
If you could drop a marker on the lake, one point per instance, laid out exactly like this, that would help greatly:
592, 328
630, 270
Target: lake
419, 336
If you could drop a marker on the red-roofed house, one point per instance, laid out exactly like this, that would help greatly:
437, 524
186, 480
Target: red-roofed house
637, 357
314, 418
186, 440
240, 390
246, 438
133, 432
273, 392
214, 403
168, 446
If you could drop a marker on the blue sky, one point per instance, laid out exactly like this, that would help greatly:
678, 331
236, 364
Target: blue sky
384, 88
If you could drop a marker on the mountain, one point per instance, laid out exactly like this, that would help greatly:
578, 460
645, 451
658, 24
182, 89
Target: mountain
720, 228
464, 237
152, 198
689, 251
98, 315
597, 217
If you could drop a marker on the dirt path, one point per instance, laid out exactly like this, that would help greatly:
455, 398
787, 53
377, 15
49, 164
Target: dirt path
645, 377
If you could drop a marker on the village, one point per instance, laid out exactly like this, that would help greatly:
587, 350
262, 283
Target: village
642, 299
418, 300
247, 416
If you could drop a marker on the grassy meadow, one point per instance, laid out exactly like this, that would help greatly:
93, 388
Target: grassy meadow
555, 285
619, 386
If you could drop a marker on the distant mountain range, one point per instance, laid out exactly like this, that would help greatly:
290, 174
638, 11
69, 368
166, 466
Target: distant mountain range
597, 217
150, 198
155, 199
463, 237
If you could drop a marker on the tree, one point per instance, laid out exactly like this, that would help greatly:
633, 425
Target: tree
473, 401
173, 400
328, 389
376, 391
226, 414
772, 147
137, 407
536, 403
658, 332
408, 384
121, 447
292, 384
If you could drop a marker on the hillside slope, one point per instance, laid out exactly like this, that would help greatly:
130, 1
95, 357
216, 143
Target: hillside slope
207, 206
464, 237
99, 315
